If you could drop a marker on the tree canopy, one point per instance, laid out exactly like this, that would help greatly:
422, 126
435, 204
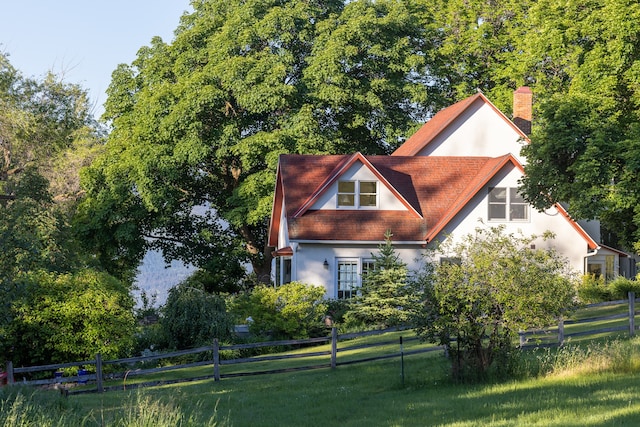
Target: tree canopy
202, 121
585, 146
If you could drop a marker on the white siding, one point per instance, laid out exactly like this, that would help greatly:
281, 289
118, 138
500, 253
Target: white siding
479, 131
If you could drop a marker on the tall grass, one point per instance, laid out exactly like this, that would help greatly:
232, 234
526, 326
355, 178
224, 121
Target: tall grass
25, 408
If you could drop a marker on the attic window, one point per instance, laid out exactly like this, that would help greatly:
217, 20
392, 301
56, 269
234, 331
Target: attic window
507, 204
357, 194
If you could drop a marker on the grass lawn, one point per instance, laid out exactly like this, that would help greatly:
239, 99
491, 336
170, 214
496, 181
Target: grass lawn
373, 394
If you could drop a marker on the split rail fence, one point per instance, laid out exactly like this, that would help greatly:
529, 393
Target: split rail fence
611, 318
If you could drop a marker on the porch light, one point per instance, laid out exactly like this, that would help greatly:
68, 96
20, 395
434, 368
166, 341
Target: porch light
325, 264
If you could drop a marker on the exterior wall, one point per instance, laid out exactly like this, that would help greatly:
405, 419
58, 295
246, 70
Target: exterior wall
308, 258
479, 131
568, 242
309, 261
359, 172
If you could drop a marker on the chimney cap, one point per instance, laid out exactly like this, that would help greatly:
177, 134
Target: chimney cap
523, 89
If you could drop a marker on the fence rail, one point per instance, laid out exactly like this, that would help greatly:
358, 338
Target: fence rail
212, 366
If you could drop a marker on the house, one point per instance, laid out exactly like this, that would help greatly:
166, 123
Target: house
457, 172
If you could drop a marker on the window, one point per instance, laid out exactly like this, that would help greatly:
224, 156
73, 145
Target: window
350, 275
357, 194
347, 279
501, 198
368, 194
283, 270
346, 193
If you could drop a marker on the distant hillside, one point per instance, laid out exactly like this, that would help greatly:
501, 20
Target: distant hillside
155, 277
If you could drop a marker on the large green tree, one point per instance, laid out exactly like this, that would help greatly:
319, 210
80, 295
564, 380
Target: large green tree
586, 141
202, 121
47, 133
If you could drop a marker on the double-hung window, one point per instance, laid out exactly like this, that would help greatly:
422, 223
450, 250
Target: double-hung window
348, 282
506, 204
357, 194
350, 275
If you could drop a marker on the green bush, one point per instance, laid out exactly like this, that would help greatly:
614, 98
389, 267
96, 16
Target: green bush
592, 289
192, 317
67, 317
595, 289
291, 311
621, 286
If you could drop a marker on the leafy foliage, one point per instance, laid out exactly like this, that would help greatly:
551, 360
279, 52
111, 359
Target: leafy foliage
500, 285
202, 121
291, 311
592, 289
68, 317
193, 317
584, 148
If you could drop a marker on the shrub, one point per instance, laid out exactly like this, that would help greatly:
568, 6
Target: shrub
621, 286
291, 311
594, 289
193, 317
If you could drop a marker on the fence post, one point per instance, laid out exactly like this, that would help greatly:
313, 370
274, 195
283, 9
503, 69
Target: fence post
99, 384
632, 313
10, 379
334, 347
523, 338
216, 360
560, 331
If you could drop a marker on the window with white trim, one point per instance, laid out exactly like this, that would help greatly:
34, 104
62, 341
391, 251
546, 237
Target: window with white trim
357, 194
350, 273
348, 282
506, 204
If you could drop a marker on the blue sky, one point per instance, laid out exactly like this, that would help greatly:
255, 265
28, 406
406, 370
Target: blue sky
83, 41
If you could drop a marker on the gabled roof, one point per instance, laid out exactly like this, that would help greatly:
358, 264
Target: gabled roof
424, 184
438, 123
434, 189
342, 167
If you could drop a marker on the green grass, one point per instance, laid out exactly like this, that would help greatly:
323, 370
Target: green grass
590, 385
587, 384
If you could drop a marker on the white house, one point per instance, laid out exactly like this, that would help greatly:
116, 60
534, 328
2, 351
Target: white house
458, 172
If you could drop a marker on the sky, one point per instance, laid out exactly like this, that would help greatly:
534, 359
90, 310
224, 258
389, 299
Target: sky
83, 41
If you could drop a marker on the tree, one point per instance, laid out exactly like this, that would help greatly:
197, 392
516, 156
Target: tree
64, 317
47, 133
584, 147
193, 317
492, 286
387, 297
480, 45
202, 121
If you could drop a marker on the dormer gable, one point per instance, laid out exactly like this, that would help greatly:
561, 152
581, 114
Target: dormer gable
355, 184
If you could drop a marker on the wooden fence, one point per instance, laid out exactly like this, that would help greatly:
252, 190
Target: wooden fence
618, 322
212, 363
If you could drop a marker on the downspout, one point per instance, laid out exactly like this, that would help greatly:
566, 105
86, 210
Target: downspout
589, 255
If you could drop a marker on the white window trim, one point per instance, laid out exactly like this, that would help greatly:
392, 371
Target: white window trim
356, 195
507, 204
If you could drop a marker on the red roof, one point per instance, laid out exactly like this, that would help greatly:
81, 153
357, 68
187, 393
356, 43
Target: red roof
434, 189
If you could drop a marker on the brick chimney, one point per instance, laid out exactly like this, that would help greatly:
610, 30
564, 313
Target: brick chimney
522, 109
